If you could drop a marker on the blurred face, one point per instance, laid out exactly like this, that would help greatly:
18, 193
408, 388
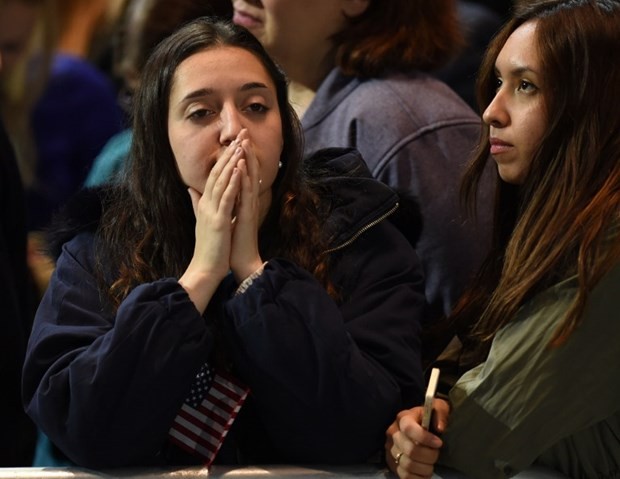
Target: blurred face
517, 117
296, 30
134, 32
17, 21
215, 94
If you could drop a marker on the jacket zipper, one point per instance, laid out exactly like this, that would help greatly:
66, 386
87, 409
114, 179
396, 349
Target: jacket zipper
363, 230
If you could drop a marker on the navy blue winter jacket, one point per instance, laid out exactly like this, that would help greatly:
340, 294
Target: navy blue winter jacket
327, 377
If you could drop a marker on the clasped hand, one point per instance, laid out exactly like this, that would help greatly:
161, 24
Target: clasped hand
410, 450
227, 222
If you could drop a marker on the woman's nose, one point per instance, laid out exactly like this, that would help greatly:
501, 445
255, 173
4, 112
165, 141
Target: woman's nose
496, 113
231, 124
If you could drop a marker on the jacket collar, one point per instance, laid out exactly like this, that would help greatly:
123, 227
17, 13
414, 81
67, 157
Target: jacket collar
358, 200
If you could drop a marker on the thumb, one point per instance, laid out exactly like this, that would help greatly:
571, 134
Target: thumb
195, 197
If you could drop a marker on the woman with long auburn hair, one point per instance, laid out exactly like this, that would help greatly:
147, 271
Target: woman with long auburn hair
542, 316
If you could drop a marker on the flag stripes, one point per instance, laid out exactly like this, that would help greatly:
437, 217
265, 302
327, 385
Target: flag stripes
201, 426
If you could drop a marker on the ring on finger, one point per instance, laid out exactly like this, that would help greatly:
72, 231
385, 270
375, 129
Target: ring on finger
397, 458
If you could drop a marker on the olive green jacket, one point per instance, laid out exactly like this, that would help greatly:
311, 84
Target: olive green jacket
529, 403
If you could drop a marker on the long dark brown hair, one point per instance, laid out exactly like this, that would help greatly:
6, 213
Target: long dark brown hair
399, 35
563, 220
147, 230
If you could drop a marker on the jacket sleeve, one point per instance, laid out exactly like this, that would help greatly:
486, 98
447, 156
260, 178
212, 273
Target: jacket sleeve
328, 378
106, 388
529, 397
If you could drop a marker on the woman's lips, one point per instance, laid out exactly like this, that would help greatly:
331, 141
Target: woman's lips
499, 146
246, 20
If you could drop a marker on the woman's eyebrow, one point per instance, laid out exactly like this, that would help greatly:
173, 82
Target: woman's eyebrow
252, 86
203, 92
517, 70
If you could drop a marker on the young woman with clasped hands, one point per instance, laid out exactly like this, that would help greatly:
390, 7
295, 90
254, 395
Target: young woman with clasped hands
218, 256
542, 316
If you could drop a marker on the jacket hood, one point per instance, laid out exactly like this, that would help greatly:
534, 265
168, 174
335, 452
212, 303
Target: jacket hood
359, 200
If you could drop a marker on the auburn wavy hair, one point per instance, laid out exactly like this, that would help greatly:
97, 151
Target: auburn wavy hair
564, 220
399, 35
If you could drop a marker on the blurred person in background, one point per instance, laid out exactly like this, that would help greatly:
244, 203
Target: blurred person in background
85, 28
502, 7
478, 23
59, 111
77, 113
17, 435
142, 25
360, 78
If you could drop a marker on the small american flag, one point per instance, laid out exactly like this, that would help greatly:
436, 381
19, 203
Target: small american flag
207, 414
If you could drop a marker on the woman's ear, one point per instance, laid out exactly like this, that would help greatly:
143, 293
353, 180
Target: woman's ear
354, 8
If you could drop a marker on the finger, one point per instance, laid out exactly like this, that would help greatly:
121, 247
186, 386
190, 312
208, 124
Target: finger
408, 468
405, 456
243, 135
403, 444
410, 426
393, 429
221, 182
230, 194
242, 165
413, 460
390, 454
223, 159
247, 198
416, 413
252, 163
195, 197
220, 165
396, 441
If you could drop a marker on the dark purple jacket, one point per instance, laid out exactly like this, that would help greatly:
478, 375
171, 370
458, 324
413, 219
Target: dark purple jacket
327, 377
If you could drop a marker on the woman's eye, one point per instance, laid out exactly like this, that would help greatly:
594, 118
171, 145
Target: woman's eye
198, 114
526, 86
497, 84
257, 108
